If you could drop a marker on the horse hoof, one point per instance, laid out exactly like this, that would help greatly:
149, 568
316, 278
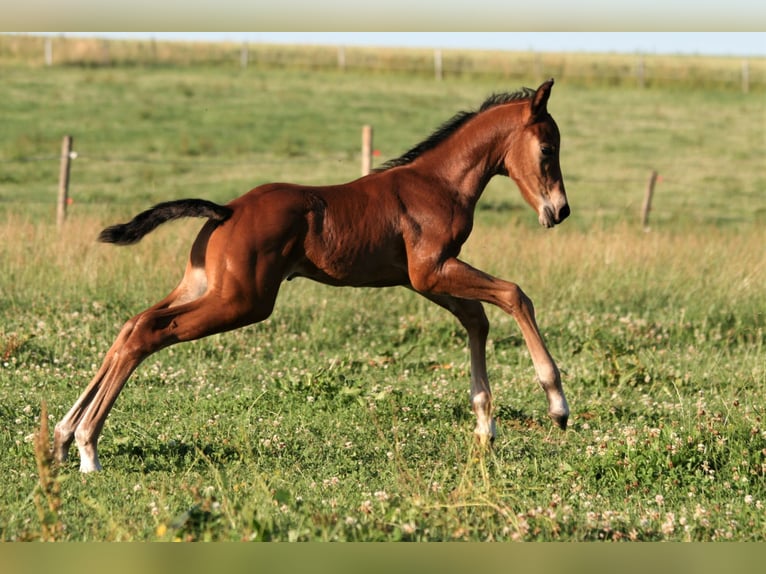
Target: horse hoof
485, 437
560, 419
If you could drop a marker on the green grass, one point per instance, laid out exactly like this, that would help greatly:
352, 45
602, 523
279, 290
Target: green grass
345, 416
332, 420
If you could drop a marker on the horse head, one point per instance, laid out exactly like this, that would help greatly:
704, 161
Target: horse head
532, 160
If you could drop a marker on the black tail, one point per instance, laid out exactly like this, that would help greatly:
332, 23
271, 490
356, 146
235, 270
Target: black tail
132, 232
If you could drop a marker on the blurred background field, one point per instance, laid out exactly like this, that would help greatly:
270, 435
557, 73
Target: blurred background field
616, 69
190, 116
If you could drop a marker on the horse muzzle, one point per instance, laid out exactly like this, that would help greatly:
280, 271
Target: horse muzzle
550, 216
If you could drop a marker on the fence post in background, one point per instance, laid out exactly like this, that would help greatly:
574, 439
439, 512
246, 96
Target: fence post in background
243, 56
105, 57
341, 58
366, 149
648, 200
640, 71
49, 51
745, 76
438, 70
63, 197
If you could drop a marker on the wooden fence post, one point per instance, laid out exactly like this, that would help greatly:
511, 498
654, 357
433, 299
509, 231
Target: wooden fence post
63, 198
106, 58
48, 51
244, 56
648, 200
745, 76
438, 69
366, 149
640, 72
341, 58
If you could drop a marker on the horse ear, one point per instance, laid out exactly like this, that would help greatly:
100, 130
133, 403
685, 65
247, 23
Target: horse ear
539, 102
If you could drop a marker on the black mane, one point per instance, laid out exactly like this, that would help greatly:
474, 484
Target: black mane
453, 124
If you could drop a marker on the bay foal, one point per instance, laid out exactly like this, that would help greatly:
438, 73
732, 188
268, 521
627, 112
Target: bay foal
403, 224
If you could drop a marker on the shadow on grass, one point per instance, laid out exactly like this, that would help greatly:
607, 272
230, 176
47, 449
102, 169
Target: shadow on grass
516, 418
173, 455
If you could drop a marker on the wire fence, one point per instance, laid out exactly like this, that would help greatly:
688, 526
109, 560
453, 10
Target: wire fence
642, 70
638, 200
15, 190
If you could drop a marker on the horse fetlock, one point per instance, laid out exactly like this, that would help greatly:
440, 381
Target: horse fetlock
88, 465
549, 377
88, 458
485, 424
62, 440
88, 450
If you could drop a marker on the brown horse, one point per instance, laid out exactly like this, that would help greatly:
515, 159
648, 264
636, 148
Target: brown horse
403, 224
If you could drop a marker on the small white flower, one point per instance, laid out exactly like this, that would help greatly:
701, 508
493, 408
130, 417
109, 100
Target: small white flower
366, 506
669, 525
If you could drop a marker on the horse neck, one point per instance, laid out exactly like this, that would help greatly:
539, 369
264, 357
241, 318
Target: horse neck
470, 157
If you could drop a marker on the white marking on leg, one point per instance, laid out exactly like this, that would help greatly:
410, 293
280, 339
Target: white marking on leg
88, 462
550, 380
88, 453
485, 424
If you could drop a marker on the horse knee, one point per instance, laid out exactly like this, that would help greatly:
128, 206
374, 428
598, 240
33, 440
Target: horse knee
516, 296
422, 282
86, 440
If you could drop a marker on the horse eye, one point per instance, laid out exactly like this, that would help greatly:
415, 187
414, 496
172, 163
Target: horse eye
547, 150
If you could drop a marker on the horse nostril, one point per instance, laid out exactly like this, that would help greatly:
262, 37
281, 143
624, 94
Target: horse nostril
563, 213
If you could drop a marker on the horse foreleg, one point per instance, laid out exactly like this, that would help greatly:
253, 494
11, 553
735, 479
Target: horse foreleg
548, 374
473, 318
459, 279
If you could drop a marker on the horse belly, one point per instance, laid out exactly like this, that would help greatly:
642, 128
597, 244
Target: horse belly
353, 243
353, 268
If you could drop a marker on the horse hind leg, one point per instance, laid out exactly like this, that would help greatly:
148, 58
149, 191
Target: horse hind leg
158, 327
190, 288
96, 401
63, 434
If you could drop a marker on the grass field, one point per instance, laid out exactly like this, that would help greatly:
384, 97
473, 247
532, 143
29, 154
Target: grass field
345, 416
